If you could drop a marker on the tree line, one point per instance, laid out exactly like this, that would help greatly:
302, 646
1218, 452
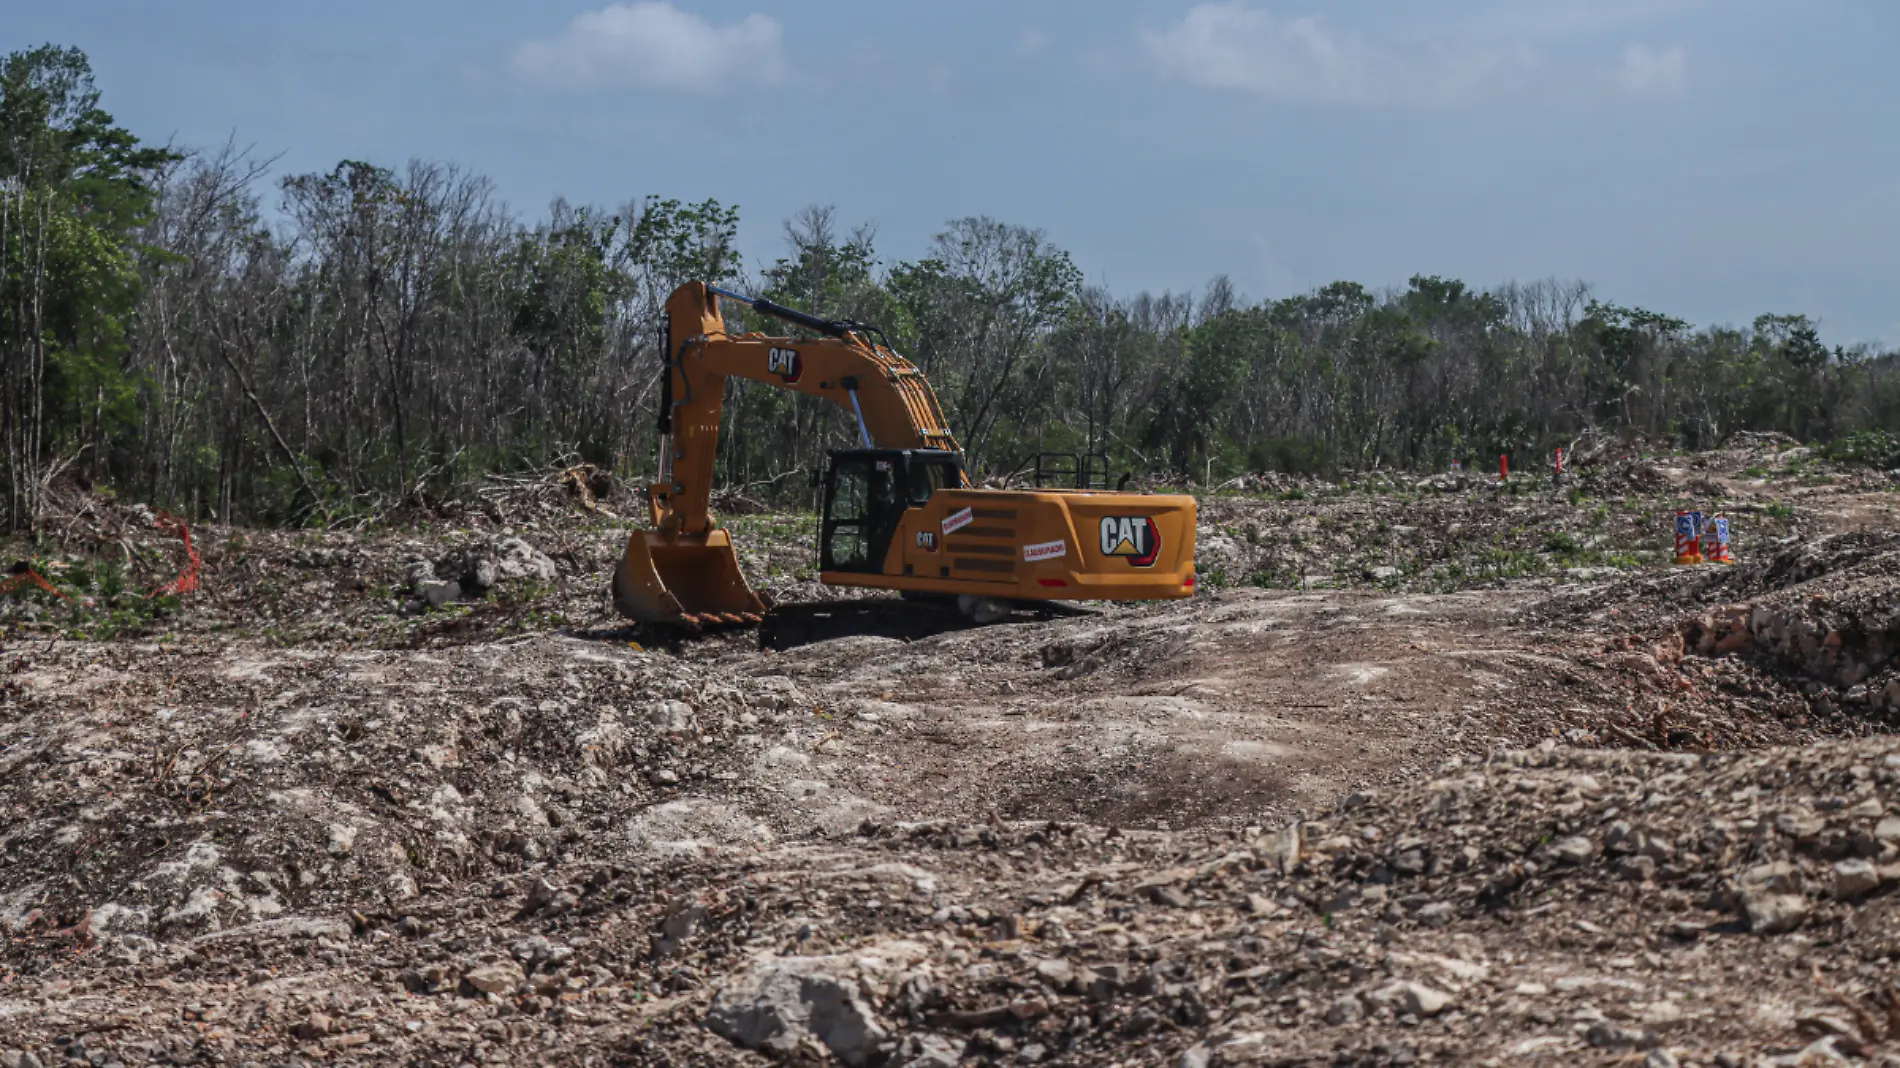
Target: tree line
196, 332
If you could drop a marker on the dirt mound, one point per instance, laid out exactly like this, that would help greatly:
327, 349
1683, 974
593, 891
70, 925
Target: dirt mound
1831, 611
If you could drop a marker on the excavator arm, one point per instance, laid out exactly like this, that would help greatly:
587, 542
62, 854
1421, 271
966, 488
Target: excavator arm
891, 402
685, 569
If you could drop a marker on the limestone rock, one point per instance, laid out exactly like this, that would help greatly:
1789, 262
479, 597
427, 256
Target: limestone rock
784, 999
501, 977
1769, 913
515, 559
1855, 879
1414, 998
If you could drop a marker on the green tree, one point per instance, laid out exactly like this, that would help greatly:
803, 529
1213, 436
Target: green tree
983, 304
74, 189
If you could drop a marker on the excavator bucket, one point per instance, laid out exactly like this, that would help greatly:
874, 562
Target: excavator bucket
692, 580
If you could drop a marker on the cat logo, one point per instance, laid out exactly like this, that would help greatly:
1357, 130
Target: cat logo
1133, 536
784, 363
927, 540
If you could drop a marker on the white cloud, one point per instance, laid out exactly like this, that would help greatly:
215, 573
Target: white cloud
1030, 42
652, 44
1230, 45
1235, 45
1653, 72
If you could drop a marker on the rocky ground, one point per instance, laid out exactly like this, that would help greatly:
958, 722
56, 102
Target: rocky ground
1431, 771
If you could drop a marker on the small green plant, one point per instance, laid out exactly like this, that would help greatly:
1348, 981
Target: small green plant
1865, 448
111, 580
1562, 542
1780, 510
1495, 563
1271, 579
129, 617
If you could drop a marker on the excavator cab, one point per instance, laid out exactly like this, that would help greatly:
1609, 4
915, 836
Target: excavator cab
866, 494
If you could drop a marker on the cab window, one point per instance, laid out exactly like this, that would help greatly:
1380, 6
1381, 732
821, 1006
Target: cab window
927, 478
845, 539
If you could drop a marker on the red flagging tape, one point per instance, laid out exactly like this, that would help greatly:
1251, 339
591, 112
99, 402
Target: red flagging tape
18, 582
187, 579
186, 582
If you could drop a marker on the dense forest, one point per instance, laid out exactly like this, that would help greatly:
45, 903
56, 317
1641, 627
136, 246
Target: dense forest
190, 329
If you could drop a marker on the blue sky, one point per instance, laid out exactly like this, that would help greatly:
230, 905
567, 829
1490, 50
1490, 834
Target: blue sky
1709, 158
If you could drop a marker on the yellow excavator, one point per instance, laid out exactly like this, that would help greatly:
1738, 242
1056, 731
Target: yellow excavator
900, 512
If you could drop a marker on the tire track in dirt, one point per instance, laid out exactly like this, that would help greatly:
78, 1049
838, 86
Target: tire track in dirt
1232, 709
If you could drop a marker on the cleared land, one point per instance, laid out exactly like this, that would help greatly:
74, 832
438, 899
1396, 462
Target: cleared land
1431, 771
